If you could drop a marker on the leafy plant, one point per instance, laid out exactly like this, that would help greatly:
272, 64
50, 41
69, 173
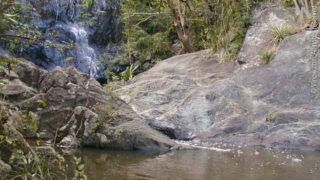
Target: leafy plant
112, 76
26, 161
42, 103
31, 121
36, 165
79, 173
6, 19
129, 72
267, 56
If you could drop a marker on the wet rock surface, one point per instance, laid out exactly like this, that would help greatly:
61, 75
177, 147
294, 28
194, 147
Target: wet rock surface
194, 97
72, 33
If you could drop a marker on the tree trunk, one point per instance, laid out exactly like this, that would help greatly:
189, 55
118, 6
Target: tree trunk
181, 15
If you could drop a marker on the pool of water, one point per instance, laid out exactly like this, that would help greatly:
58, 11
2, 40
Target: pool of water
238, 164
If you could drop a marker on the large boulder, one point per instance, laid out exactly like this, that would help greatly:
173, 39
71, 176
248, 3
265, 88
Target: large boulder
71, 109
258, 38
195, 97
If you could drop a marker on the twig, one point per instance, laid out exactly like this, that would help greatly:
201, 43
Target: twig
17, 36
55, 137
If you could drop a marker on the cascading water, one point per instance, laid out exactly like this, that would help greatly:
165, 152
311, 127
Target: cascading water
85, 55
61, 24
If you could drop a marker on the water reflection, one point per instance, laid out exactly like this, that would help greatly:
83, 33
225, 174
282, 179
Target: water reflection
203, 164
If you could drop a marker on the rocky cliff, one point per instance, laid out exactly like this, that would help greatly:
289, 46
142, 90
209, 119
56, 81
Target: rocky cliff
195, 97
70, 109
72, 33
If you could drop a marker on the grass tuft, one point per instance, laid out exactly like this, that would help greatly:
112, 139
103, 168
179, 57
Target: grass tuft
267, 56
280, 32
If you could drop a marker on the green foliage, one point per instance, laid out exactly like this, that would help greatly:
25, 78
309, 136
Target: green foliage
125, 75
31, 121
147, 31
270, 116
221, 24
267, 56
4, 61
88, 3
287, 3
2, 84
113, 76
36, 165
42, 103
14, 18
6, 19
129, 72
79, 173
280, 32
26, 161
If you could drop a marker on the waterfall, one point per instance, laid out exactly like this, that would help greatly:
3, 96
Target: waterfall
85, 55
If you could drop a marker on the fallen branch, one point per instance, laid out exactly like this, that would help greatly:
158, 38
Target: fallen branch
17, 36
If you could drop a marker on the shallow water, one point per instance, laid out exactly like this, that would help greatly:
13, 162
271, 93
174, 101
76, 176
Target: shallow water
239, 164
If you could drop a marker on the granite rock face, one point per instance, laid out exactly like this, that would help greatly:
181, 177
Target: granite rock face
194, 97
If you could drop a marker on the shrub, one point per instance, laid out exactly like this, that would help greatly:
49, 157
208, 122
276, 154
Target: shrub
147, 33
287, 3
149, 30
221, 25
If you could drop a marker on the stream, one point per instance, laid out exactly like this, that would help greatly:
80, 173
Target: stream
238, 164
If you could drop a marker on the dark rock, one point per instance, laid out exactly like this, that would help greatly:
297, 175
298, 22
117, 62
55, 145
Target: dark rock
74, 110
108, 29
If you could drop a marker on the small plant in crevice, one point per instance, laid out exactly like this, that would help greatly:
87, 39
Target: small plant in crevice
125, 75
271, 117
42, 103
129, 72
31, 121
279, 32
2, 85
267, 56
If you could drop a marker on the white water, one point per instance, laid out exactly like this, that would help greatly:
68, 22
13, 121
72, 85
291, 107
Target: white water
195, 146
86, 55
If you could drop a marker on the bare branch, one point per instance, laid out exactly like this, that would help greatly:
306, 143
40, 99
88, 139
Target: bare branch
17, 36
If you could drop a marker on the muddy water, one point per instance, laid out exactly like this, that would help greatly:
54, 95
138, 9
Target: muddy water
238, 164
